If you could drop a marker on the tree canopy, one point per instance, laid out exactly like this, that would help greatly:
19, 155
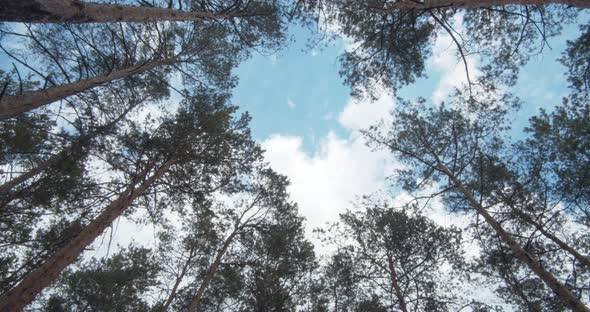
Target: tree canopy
121, 112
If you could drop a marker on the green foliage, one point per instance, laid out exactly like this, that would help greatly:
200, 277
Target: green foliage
119, 283
506, 37
394, 257
560, 142
516, 286
393, 49
391, 45
575, 59
452, 152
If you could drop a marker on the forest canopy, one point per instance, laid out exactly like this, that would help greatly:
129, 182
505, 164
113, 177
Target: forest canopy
121, 114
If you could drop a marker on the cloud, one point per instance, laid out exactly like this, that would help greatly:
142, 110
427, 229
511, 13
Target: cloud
290, 103
361, 114
324, 183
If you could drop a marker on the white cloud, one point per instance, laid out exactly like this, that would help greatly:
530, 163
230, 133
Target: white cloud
324, 183
290, 103
359, 115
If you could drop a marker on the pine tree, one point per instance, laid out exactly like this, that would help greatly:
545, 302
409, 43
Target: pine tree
184, 151
444, 144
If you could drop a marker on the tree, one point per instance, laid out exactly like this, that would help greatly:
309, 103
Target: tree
575, 59
393, 38
559, 145
140, 55
51, 181
443, 143
87, 134
118, 283
278, 259
267, 191
341, 281
512, 281
202, 148
226, 251
74, 11
395, 257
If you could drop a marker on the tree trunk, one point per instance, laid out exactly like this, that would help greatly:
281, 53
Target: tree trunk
192, 307
4, 188
76, 11
394, 283
566, 297
13, 105
26, 291
469, 4
563, 245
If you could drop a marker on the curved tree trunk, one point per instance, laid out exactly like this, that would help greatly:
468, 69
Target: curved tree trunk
76, 11
26, 291
468, 4
566, 297
192, 307
13, 105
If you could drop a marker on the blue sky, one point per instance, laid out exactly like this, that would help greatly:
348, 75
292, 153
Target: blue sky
293, 92
299, 92
304, 118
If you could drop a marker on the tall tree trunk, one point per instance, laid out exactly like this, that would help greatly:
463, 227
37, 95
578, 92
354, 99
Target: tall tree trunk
26, 291
469, 4
563, 245
76, 11
394, 283
192, 307
566, 297
13, 105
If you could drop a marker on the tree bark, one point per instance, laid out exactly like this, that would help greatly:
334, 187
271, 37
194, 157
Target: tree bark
13, 105
566, 297
26, 291
192, 307
76, 11
470, 4
394, 283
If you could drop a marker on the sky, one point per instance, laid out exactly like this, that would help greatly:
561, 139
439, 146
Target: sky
305, 119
